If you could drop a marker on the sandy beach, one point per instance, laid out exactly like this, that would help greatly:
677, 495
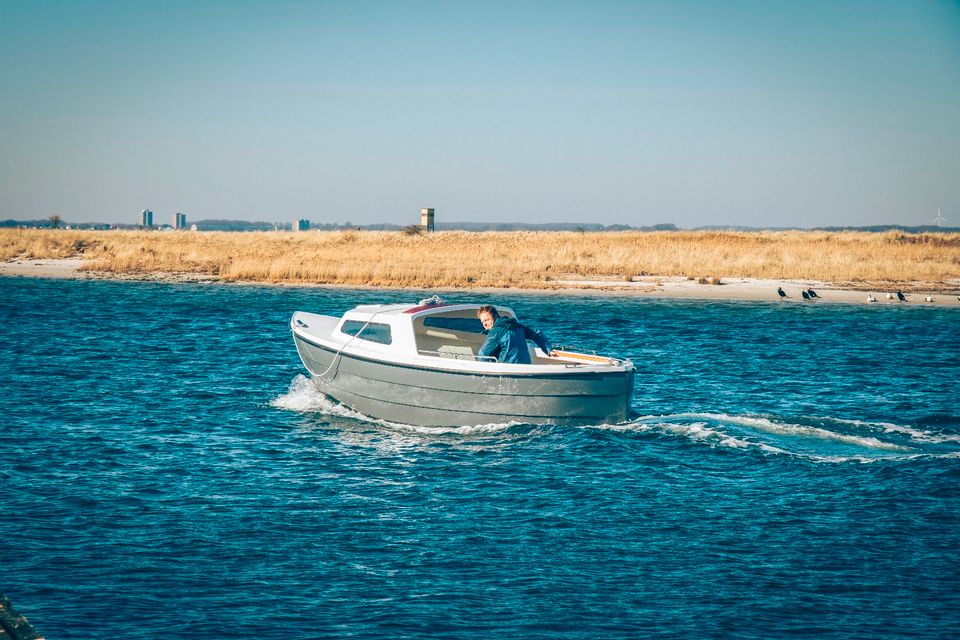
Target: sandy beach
746, 289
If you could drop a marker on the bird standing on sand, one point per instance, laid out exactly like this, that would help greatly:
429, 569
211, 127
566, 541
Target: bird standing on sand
780, 292
902, 297
813, 294
889, 296
870, 298
806, 296
928, 299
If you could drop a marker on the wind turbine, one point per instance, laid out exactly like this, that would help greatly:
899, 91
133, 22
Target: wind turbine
939, 220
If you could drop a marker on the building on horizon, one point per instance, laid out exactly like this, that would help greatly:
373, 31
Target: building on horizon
146, 218
301, 225
179, 221
426, 219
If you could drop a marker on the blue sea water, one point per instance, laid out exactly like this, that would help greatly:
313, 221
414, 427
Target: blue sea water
166, 469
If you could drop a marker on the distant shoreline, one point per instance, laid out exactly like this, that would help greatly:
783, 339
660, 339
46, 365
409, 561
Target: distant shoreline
653, 287
248, 226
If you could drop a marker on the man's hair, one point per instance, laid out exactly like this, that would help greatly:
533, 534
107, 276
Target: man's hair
487, 308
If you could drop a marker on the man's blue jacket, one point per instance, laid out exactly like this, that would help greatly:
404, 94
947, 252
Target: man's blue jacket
507, 341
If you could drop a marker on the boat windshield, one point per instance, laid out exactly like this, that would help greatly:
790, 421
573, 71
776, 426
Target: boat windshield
467, 325
372, 331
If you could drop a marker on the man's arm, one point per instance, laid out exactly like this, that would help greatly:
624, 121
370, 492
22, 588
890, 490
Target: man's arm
491, 346
537, 337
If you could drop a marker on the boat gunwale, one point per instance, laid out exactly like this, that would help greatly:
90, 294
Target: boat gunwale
569, 371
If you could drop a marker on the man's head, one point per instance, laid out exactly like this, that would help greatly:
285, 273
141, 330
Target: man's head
488, 315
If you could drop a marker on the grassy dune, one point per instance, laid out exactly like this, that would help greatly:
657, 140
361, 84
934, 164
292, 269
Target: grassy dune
502, 259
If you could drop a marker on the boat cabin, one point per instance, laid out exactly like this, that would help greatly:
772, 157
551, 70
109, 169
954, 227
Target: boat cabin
428, 329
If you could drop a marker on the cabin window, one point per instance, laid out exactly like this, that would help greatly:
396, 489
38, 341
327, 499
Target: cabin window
469, 325
372, 331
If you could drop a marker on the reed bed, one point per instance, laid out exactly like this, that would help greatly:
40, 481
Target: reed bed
539, 260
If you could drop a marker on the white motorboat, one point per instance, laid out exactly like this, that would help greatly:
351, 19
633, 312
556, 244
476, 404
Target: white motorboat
418, 364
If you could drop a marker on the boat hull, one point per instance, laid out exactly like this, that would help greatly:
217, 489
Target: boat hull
420, 395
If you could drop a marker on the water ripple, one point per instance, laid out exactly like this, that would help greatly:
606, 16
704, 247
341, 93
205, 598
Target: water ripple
167, 464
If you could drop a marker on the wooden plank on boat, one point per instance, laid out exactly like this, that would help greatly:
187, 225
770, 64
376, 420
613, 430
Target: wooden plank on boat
14, 626
589, 357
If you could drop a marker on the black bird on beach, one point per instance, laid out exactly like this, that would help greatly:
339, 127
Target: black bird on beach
902, 297
781, 293
806, 296
813, 294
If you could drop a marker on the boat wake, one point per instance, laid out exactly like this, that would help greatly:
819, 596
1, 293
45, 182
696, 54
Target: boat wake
303, 396
819, 438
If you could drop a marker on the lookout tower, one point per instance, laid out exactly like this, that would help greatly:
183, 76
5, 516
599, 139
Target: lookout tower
426, 219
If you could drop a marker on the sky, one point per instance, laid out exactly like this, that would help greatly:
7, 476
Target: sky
756, 113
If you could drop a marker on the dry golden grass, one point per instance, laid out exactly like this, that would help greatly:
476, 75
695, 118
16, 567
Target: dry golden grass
502, 259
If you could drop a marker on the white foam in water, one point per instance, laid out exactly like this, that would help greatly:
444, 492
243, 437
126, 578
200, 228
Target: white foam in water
791, 429
841, 459
301, 396
918, 435
698, 431
465, 430
708, 428
304, 396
